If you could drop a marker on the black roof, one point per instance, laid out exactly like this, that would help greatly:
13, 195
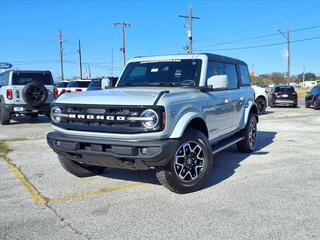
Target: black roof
211, 57
220, 58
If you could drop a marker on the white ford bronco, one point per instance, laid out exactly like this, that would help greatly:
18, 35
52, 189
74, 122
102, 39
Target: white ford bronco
168, 113
25, 92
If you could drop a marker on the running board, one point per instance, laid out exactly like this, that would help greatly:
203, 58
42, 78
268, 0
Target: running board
225, 144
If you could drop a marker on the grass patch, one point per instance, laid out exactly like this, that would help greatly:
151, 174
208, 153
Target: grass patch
302, 92
17, 139
4, 149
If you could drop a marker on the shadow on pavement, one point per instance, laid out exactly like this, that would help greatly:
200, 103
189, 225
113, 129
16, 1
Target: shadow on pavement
27, 119
225, 164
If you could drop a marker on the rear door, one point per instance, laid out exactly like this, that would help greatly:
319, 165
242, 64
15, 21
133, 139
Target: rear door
240, 93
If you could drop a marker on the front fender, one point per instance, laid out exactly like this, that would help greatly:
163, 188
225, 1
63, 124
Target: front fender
250, 106
183, 123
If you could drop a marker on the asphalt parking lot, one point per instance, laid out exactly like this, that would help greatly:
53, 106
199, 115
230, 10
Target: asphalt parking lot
270, 194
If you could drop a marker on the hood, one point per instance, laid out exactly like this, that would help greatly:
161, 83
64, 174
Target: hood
116, 96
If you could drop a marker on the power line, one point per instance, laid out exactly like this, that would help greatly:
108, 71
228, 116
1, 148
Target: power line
302, 13
259, 36
260, 46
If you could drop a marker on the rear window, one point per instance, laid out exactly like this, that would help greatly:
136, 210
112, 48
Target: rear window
284, 89
23, 78
61, 84
81, 84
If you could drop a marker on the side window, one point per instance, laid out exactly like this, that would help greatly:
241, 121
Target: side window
231, 71
5, 79
244, 74
1, 80
217, 68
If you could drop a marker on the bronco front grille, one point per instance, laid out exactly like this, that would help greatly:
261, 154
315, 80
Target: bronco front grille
111, 119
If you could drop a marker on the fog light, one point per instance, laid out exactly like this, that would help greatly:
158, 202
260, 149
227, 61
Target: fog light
144, 150
58, 143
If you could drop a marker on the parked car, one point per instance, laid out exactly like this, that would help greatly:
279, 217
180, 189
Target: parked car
95, 83
61, 86
168, 113
78, 85
261, 98
313, 98
25, 92
284, 95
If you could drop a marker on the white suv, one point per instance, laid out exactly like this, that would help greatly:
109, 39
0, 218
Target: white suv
25, 92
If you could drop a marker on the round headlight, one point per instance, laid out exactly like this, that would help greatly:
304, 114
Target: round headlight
154, 119
54, 112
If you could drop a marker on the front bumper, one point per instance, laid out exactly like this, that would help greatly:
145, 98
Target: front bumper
137, 155
24, 108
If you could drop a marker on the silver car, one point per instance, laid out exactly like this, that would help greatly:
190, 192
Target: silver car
168, 113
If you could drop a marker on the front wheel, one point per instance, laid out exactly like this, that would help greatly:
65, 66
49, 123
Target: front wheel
248, 144
191, 165
79, 170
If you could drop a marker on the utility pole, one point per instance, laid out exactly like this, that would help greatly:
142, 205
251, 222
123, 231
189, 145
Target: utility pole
189, 18
61, 53
303, 75
89, 71
111, 72
80, 58
123, 25
287, 36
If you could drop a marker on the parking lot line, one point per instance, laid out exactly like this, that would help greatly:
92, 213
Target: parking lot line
95, 192
41, 200
36, 196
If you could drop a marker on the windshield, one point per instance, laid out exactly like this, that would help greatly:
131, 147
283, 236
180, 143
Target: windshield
23, 78
61, 84
82, 84
95, 84
174, 72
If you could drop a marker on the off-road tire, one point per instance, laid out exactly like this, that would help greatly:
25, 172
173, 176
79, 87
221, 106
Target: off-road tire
4, 115
32, 91
79, 170
245, 145
168, 175
261, 104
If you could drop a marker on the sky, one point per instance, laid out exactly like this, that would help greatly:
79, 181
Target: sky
29, 33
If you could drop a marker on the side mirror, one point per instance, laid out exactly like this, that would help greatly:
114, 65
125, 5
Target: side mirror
218, 82
106, 83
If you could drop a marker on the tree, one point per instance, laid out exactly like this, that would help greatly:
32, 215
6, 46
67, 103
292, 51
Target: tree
309, 76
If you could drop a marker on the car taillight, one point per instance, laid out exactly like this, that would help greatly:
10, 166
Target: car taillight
9, 94
55, 93
78, 90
